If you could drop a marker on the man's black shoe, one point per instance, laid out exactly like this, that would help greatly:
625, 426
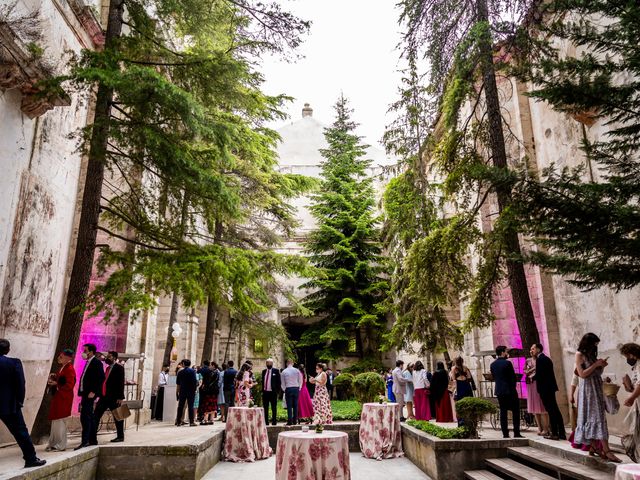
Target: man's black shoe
402, 419
82, 445
517, 435
274, 423
506, 436
117, 440
36, 462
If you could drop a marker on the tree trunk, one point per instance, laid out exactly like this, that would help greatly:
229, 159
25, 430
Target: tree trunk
515, 268
213, 317
173, 316
72, 317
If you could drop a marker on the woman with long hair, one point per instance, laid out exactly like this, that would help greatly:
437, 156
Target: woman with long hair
322, 414
440, 393
421, 386
592, 421
305, 405
243, 386
464, 381
534, 402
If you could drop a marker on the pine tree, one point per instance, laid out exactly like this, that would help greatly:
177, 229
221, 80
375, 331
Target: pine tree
587, 219
349, 285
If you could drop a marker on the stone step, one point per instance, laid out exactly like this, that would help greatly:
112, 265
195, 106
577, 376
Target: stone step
481, 475
565, 467
515, 470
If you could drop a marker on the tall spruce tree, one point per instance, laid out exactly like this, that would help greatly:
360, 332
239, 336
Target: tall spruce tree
587, 219
349, 286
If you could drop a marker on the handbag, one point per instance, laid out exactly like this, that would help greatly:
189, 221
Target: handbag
121, 413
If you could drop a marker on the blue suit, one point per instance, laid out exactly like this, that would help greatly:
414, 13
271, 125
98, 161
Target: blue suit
11, 402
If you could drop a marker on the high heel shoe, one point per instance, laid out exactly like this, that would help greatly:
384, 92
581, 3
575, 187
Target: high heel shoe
609, 456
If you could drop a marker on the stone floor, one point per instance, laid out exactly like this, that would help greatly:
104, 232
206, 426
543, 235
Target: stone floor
361, 469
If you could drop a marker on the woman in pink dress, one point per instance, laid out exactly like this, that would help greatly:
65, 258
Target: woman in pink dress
305, 405
534, 402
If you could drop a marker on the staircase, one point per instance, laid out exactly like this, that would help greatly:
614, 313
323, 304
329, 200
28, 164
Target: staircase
530, 463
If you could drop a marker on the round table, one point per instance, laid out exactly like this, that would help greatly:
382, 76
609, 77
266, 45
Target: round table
245, 438
304, 455
380, 434
628, 471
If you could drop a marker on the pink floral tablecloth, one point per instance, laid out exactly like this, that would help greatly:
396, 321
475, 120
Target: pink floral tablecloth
313, 456
380, 435
245, 438
630, 471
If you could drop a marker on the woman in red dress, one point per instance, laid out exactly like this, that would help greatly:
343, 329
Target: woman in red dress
441, 395
61, 386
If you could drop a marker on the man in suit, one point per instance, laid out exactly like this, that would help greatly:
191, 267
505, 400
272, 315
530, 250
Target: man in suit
111, 396
399, 386
271, 385
504, 377
330, 377
228, 388
545, 379
187, 383
11, 401
89, 390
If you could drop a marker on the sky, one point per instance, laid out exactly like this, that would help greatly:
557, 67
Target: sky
351, 48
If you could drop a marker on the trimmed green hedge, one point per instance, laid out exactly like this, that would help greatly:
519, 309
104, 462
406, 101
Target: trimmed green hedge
342, 410
368, 387
438, 431
343, 385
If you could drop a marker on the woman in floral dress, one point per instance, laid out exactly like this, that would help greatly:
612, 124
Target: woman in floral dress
321, 403
243, 386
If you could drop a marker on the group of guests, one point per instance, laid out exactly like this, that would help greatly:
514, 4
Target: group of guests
99, 390
429, 395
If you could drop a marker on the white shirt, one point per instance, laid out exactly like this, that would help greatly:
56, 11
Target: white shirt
420, 379
163, 379
290, 378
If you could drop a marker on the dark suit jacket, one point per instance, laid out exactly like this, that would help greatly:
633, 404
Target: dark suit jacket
188, 382
545, 377
504, 377
229, 378
13, 387
115, 383
92, 378
276, 382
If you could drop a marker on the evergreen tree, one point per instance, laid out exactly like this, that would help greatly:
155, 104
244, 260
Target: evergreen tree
348, 288
587, 219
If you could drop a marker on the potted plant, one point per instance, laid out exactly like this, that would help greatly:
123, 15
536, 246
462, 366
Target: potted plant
471, 410
319, 428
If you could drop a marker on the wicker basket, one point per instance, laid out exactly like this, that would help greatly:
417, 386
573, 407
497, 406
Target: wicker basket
610, 389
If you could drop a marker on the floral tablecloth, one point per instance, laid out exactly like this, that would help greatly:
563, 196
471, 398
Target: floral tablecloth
245, 438
380, 435
630, 471
313, 456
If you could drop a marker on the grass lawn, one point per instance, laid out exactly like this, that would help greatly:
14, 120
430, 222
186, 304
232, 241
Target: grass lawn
342, 410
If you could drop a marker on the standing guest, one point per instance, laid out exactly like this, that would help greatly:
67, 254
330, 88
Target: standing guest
11, 402
291, 385
198, 413
408, 396
439, 391
186, 385
243, 385
305, 406
163, 380
421, 387
545, 379
463, 378
505, 380
111, 396
330, 378
271, 386
61, 388
631, 384
228, 386
534, 402
221, 398
388, 380
592, 422
322, 414
399, 387
209, 390
91, 383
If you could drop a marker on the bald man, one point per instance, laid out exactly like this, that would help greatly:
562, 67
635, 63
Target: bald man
271, 386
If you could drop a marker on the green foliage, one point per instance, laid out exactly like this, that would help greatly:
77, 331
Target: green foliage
348, 287
364, 365
587, 219
347, 410
195, 204
343, 384
256, 390
438, 431
368, 387
471, 410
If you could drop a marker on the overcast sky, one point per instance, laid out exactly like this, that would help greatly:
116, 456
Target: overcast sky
351, 48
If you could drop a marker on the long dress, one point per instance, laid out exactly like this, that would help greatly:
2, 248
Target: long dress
390, 395
421, 392
196, 401
534, 402
408, 394
305, 405
463, 383
442, 397
592, 421
243, 391
321, 402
